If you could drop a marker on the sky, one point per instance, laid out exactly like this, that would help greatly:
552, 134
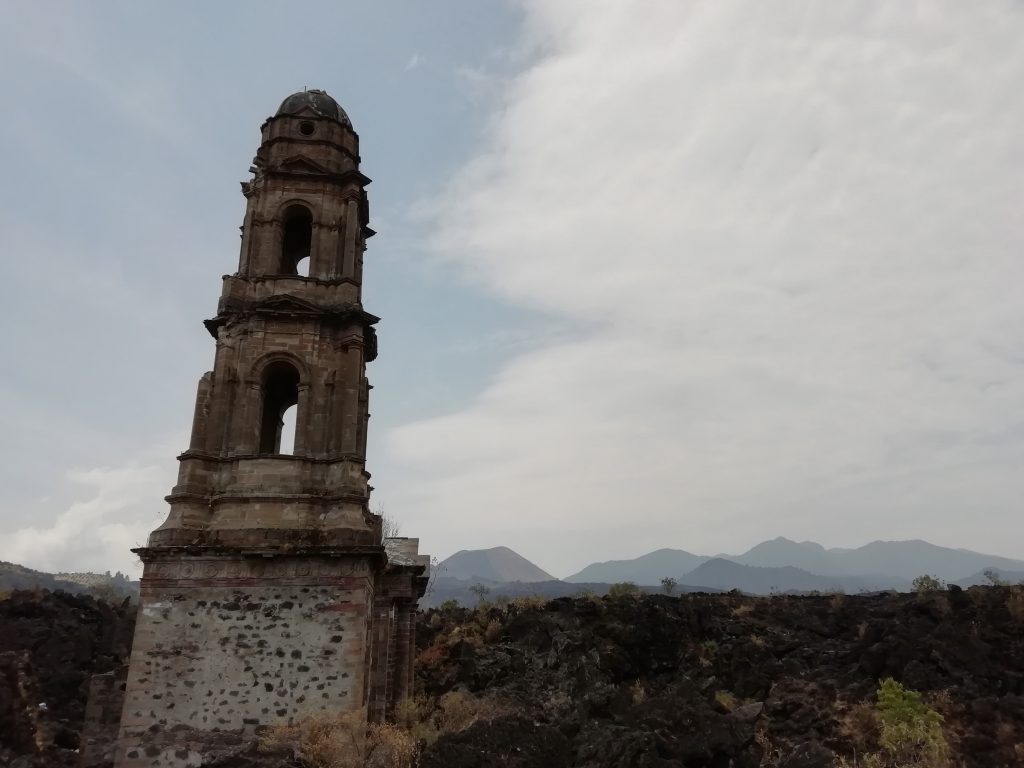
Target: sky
693, 277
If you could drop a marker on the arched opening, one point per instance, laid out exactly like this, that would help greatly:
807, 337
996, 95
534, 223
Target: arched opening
288, 419
280, 395
297, 241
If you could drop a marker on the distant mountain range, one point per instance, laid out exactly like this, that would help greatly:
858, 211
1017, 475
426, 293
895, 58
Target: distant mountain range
878, 565
779, 565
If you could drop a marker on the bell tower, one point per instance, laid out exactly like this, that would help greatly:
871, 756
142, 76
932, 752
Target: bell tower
258, 591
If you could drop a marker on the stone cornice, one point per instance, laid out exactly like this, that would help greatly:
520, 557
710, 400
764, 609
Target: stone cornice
337, 458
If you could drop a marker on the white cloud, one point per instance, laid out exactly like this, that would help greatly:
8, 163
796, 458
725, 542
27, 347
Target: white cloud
789, 235
114, 512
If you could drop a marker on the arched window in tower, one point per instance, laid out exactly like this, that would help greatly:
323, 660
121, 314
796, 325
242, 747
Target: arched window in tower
297, 241
280, 394
287, 447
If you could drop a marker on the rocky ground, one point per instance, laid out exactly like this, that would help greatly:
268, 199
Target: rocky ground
719, 681
696, 681
51, 643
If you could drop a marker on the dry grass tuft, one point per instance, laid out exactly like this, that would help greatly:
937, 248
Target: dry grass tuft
455, 711
388, 746
492, 632
726, 700
638, 693
322, 740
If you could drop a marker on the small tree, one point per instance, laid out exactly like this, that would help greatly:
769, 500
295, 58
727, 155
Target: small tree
668, 585
481, 591
389, 527
927, 583
994, 577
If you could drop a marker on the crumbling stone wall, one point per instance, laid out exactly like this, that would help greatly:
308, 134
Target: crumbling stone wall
394, 631
102, 716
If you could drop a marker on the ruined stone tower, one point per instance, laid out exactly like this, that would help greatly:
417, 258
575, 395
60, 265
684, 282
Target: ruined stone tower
268, 594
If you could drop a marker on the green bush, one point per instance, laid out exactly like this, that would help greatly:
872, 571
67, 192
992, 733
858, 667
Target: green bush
911, 731
927, 583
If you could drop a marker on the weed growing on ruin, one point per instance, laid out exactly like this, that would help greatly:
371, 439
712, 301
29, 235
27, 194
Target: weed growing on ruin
321, 741
342, 741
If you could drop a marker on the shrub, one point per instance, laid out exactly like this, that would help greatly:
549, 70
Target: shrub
459, 710
455, 711
927, 583
910, 732
493, 631
993, 577
528, 603
433, 654
322, 740
638, 693
623, 589
726, 700
342, 741
481, 591
389, 746
860, 725
706, 653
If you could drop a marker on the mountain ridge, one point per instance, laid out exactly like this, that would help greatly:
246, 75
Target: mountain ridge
499, 564
890, 564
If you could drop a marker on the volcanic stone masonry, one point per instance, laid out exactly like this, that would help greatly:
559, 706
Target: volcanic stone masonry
268, 594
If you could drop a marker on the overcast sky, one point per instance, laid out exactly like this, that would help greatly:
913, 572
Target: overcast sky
693, 277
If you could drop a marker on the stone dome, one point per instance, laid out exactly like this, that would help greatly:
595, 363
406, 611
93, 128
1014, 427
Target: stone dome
314, 99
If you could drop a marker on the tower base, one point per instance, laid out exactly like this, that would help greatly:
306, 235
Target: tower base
227, 642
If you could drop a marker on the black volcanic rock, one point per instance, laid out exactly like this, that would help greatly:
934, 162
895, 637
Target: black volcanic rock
51, 643
720, 680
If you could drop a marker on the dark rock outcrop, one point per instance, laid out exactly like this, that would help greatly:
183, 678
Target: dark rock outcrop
51, 643
709, 681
